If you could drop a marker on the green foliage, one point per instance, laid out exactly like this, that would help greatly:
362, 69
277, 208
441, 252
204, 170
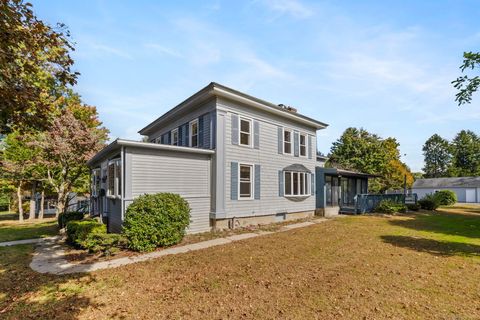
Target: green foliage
359, 150
438, 157
413, 206
155, 221
466, 154
466, 85
429, 202
78, 231
446, 197
389, 206
106, 243
66, 217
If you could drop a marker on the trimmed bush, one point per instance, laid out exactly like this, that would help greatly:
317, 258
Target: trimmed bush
156, 220
389, 206
78, 231
106, 243
64, 218
446, 197
429, 202
413, 206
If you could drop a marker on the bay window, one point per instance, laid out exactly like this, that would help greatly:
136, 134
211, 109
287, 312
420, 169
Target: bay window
297, 183
114, 179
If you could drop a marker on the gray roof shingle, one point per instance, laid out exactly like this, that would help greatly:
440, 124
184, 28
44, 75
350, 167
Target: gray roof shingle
460, 182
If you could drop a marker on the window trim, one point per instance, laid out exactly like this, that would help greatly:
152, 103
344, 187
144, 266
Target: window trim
116, 179
250, 134
190, 133
252, 181
291, 141
300, 134
174, 131
307, 184
95, 176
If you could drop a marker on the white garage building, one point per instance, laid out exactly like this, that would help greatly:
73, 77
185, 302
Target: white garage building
466, 188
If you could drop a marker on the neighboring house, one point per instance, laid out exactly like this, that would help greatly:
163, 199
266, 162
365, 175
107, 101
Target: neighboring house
236, 159
466, 188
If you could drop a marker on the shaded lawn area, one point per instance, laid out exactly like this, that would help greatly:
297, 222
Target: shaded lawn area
363, 267
12, 230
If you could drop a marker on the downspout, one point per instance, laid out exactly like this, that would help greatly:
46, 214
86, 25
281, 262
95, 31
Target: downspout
122, 198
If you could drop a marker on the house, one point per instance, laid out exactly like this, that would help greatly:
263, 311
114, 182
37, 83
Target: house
466, 188
238, 160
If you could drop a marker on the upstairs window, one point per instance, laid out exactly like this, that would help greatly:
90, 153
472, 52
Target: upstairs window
175, 137
245, 181
303, 145
287, 141
114, 176
245, 132
194, 133
297, 184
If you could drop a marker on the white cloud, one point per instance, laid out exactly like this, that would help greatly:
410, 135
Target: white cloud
288, 7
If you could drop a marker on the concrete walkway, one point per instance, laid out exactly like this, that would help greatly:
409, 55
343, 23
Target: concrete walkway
49, 256
26, 241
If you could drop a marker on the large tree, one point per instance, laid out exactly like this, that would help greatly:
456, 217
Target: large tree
360, 150
467, 85
35, 67
466, 154
437, 157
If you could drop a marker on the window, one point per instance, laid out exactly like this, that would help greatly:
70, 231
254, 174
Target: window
114, 176
287, 141
245, 181
194, 133
297, 183
175, 137
245, 132
303, 145
95, 182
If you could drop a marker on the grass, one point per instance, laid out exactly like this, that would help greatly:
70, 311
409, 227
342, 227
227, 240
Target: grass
420, 266
13, 230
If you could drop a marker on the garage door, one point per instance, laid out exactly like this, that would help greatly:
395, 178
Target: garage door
470, 195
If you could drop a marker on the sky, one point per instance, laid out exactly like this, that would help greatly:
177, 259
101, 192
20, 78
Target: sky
386, 66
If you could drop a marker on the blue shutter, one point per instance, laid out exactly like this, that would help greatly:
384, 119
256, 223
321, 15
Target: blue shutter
200, 132
296, 147
180, 136
310, 147
186, 135
280, 140
234, 129
214, 129
169, 137
312, 179
163, 139
234, 181
256, 134
207, 129
257, 182
280, 184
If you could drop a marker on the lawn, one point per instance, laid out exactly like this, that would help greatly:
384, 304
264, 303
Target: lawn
422, 266
12, 230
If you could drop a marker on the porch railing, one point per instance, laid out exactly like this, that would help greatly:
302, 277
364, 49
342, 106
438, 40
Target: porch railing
367, 202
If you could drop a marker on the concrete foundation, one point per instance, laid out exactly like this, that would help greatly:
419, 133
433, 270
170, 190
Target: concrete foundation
239, 222
328, 212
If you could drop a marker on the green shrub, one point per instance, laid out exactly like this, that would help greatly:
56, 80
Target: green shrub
446, 197
156, 220
78, 231
390, 206
107, 243
64, 218
429, 202
413, 206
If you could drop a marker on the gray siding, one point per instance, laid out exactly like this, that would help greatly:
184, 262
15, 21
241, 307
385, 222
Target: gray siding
268, 158
114, 215
186, 174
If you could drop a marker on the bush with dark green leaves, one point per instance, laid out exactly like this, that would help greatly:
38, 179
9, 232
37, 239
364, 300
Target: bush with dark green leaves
429, 202
389, 206
78, 231
156, 220
413, 206
446, 197
66, 217
106, 243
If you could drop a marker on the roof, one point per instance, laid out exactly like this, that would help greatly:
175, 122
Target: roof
297, 167
347, 173
118, 143
218, 90
457, 182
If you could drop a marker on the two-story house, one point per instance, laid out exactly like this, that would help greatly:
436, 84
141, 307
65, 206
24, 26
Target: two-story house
236, 159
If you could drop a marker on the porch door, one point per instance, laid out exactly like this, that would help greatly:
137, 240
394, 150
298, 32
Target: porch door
332, 191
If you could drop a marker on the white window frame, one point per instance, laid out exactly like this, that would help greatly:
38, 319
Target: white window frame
190, 133
252, 182
250, 134
306, 180
174, 133
291, 141
300, 145
95, 177
116, 183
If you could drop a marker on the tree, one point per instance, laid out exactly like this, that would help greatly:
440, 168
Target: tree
466, 85
466, 154
359, 150
437, 157
66, 147
35, 67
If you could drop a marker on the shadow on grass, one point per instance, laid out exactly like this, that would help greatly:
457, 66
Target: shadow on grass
25, 294
441, 248
9, 216
455, 224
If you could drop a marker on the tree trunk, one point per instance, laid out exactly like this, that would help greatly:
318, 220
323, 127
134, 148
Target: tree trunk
32, 201
42, 204
20, 207
61, 200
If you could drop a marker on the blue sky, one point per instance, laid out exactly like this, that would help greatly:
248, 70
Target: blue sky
382, 65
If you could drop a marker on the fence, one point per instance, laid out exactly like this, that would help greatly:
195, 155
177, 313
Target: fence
367, 202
